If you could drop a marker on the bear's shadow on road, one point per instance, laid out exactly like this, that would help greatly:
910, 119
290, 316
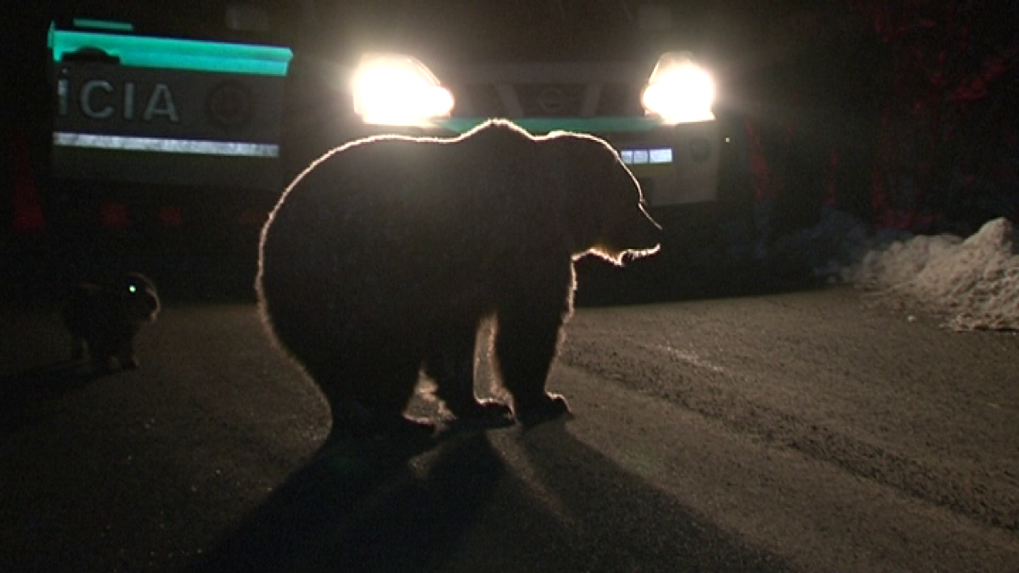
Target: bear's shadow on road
27, 396
360, 507
366, 508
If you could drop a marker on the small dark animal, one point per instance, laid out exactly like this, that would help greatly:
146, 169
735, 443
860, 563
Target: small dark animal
104, 319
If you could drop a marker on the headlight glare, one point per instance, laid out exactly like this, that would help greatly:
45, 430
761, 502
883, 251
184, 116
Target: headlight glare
679, 90
391, 89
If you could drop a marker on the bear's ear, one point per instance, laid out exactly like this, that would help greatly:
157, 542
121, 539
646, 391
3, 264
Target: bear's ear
590, 165
579, 153
576, 167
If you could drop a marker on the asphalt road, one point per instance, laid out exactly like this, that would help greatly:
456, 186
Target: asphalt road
800, 431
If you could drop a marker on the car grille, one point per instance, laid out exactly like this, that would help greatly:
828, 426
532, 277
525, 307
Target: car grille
546, 100
552, 100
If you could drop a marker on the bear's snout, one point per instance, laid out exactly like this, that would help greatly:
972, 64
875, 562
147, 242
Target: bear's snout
151, 305
648, 233
635, 236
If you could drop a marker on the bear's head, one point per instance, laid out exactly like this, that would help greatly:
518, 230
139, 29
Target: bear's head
138, 299
604, 209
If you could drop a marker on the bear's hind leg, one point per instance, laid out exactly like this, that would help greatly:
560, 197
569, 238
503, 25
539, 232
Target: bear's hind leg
451, 366
526, 344
367, 397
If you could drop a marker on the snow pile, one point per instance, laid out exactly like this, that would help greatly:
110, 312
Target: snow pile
975, 281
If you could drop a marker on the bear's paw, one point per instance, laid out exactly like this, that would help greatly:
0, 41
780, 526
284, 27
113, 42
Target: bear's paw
551, 407
483, 414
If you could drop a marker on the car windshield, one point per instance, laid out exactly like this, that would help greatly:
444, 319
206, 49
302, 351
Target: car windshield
465, 30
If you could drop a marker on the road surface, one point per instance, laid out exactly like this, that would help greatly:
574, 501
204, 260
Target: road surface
801, 431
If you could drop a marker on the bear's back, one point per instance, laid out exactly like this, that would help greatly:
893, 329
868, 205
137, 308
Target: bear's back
409, 201
396, 180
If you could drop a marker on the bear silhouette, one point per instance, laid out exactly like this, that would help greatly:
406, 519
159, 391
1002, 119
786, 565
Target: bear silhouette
383, 258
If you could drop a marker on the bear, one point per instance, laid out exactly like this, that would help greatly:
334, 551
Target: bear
380, 262
104, 319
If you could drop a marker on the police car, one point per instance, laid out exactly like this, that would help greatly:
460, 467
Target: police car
173, 124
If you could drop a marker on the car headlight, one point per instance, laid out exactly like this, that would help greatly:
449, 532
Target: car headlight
679, 90
394, 89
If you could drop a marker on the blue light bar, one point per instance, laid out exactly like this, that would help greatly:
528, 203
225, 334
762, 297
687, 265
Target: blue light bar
660, 155
652, 156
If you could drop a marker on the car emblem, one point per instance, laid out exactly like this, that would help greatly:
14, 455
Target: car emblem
552, 100
230, 105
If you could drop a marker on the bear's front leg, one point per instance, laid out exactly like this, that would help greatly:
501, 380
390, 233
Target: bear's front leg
103, 353
526, 344
126, 356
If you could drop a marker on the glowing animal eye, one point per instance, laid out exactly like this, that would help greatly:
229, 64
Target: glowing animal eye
132, 289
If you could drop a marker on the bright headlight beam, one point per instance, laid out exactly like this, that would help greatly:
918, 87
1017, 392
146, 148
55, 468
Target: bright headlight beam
398, 90
679, 90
